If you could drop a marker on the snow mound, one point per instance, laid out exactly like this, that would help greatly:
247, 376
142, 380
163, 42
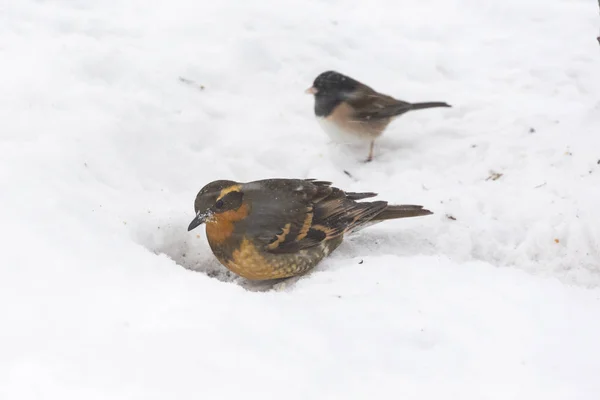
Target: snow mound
104, 293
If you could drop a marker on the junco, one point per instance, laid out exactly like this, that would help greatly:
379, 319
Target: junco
279, 228
351, 111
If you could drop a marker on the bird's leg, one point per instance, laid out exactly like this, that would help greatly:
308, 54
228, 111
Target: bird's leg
370, 158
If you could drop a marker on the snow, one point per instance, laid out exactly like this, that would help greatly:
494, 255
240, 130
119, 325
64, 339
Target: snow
104, 293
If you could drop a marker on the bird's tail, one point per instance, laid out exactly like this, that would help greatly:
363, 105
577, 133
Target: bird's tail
402, 211
389, 212
429, 104
404, 107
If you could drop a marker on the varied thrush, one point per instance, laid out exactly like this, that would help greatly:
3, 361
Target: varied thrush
279, 228
350, 111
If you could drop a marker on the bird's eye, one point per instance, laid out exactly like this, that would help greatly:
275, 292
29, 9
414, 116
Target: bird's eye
219, 204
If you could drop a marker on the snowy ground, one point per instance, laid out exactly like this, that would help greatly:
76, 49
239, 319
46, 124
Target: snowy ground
105, 295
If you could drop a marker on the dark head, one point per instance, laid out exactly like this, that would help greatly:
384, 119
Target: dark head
216, 198
331, 88
331, 83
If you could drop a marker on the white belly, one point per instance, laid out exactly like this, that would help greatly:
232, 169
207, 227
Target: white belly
339, 135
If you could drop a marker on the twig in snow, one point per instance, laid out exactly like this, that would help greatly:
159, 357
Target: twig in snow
539, 186
191, 83
355, 179
494, 176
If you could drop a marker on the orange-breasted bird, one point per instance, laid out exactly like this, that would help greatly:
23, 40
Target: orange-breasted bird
350, 111
279, 228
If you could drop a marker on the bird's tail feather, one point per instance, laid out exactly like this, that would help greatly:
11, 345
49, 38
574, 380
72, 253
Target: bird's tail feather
429, 104
402, 211
390, 212
403, 107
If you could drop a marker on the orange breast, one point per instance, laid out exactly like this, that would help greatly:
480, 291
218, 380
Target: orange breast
240, 255
220, 226
248, 262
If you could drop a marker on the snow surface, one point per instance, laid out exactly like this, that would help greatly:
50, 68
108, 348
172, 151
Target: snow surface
105, 295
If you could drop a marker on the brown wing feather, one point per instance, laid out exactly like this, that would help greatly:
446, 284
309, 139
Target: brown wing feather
327, 212
370, 104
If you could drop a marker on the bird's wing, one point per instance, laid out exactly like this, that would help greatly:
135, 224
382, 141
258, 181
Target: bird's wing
308, 213
371, 105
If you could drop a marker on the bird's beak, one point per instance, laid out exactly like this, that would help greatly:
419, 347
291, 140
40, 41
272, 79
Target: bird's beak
311, 90
199, 220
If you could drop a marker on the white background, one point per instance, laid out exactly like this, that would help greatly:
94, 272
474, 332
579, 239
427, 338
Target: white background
105, 295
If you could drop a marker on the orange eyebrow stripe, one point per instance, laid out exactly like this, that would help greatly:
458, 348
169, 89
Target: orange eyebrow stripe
232, 188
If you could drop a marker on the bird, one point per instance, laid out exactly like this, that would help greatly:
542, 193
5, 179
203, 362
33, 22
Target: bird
280, 228
350, 111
